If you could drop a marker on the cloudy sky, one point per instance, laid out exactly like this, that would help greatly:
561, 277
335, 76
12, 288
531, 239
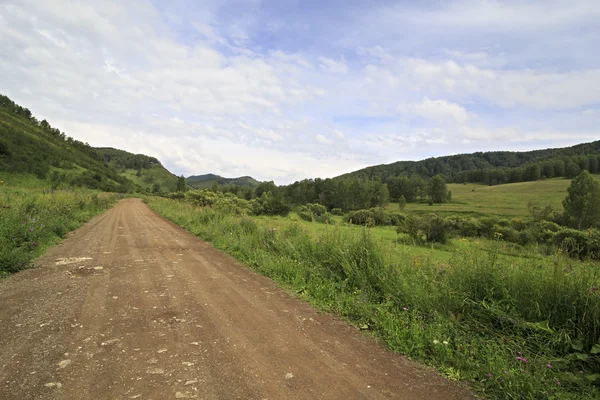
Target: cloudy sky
284, 90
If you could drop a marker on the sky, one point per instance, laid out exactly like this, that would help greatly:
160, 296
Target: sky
285, 90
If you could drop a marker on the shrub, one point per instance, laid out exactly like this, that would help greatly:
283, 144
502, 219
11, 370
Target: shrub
361, 217
316, 209
305, 215
324, 218
337, 211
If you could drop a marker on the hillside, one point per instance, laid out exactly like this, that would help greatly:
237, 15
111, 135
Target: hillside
208, 180
147, 173
29, 146
495, 167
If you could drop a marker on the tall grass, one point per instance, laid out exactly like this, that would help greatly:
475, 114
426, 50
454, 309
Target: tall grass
31, 221
514, 329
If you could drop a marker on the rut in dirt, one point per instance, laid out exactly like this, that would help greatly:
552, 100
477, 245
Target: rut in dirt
132, 307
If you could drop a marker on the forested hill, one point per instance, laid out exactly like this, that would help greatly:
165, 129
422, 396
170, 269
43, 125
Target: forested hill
208, 180
495, 167
146, 172
28, 145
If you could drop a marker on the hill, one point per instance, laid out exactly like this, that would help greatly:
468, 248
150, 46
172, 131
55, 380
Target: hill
29, 146
147, 173
208, 180
495, 167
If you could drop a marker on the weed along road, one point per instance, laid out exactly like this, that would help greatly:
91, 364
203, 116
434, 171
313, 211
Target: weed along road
131, 307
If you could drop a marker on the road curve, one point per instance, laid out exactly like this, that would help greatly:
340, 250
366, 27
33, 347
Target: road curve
132, 307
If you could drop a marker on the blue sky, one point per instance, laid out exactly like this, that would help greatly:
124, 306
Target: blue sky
286, 90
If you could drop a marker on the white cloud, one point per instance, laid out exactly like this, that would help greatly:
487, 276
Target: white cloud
323, 140
333, 66
338, 133
211, 89
441, 110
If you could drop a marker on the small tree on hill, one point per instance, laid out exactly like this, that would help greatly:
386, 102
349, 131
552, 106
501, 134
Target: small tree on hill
437, 190
582, 204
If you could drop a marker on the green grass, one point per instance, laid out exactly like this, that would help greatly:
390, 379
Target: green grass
507, 200
469, 308
33, 217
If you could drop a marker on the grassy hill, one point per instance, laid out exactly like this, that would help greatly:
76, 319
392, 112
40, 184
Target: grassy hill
510, 199
208, 180
29, 146
32, 147
146, 173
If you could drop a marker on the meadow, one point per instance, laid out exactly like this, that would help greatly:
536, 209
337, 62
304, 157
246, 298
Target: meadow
34, 217
512, 323
506, 200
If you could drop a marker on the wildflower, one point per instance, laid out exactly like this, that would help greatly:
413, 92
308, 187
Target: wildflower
548, 366
490, 375
436, 341
519, 353
445, 342
404, 308
523, 371
505, 372
522, 359
557, 381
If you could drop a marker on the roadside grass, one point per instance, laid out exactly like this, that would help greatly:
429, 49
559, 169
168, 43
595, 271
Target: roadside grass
513, 327
507, 200
33, 218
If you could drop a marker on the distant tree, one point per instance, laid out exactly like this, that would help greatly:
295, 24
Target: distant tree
156, 188
582, 204
437, 190
138, 173
449, 196
402, 202
180, 186
571, 170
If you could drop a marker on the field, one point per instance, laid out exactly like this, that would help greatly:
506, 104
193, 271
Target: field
34, 217
514, 323
507, 200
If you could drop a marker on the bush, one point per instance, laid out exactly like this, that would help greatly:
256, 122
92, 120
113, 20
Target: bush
316, 209
361, 217
337, 211
305, 215
425, 228
324, 218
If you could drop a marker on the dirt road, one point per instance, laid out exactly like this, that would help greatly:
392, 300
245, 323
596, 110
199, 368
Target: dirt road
132, 307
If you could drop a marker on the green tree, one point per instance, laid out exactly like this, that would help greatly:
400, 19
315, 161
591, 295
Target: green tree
181, 186
582, 204
449, 196
437, 190
402, 202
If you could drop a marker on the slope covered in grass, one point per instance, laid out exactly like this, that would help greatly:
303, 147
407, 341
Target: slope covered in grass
30, 146
509, 199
